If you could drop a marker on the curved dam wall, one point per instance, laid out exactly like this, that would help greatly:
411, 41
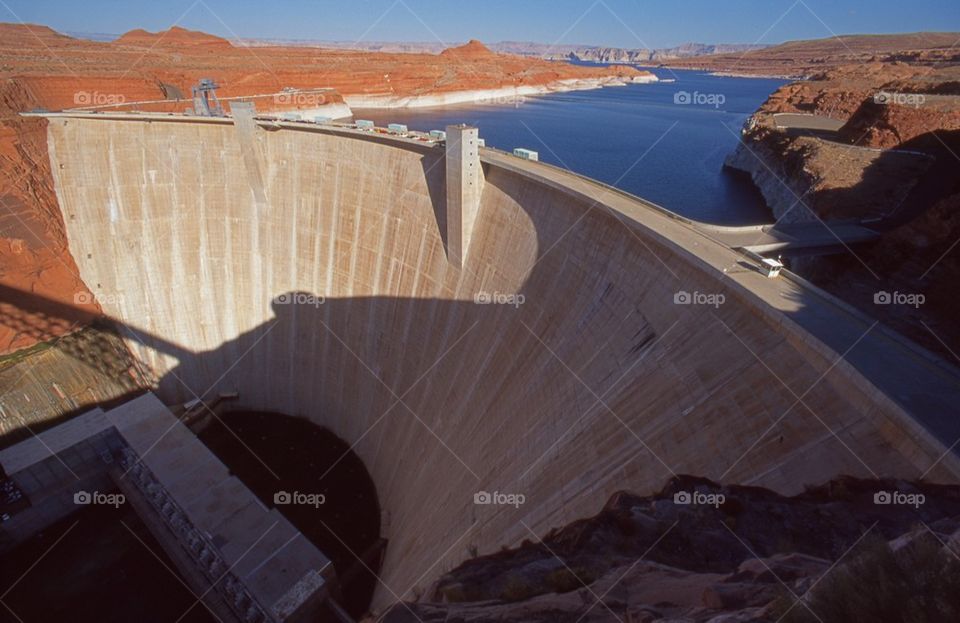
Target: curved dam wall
596, 382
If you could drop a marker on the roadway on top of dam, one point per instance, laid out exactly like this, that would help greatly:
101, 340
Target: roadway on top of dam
921, 383
793, 239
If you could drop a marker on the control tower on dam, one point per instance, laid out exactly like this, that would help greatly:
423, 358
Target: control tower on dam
576, 342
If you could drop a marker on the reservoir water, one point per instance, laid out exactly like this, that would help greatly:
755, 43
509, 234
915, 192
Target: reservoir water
665, 141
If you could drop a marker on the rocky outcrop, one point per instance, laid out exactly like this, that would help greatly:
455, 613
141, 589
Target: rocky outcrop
782, 190
893, 159
891, 118
175, 37
701, 552
642, 56
473, 49
806, 179
33, 249
29, 35
806, 59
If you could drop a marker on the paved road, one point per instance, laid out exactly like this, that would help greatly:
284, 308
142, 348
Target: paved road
794, 121
819, 237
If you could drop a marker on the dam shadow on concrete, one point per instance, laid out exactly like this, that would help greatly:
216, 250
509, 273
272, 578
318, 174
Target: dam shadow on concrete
434, 173
303, 322
74, 347
350, 326
346, 524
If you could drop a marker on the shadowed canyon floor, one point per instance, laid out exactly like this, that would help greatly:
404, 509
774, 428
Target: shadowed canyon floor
740, 555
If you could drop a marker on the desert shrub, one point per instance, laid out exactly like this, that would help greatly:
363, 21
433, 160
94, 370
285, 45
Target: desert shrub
516, 589
917, 584
839, 490
625, 524
564, 580
784, 544
458, 593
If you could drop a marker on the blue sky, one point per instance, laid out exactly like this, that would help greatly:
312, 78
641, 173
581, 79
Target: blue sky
620, 23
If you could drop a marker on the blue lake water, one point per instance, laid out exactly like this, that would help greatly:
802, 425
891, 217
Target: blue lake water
605, 133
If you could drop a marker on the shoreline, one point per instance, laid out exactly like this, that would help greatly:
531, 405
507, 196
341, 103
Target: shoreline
735, 74
341, 110
722, 73
503, 95
334, 111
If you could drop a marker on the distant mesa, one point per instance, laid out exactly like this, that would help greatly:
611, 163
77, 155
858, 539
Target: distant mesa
175, 37
15, 35
809, 58
471, 49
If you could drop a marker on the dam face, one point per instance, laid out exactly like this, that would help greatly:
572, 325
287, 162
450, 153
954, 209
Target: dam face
554, 363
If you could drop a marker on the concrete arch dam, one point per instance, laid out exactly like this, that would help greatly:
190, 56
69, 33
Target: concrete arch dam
307, 267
